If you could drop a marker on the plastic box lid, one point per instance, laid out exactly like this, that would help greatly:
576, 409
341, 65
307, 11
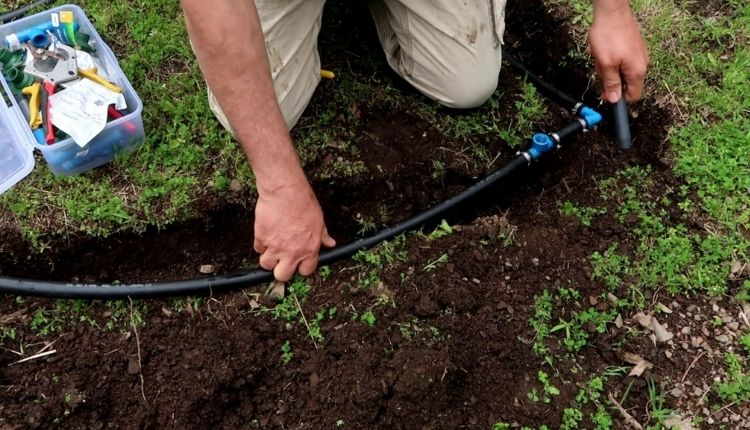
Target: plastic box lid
16, 151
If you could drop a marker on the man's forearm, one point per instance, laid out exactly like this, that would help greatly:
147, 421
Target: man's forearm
228, 41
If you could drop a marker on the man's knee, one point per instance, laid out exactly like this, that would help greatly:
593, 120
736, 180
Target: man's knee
468, 91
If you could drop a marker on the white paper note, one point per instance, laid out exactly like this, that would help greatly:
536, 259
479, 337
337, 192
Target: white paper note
81, 110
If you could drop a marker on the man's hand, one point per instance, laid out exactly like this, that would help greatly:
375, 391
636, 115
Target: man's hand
289, 231
619, 50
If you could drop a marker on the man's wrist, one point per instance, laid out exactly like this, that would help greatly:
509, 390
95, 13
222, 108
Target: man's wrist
611, 8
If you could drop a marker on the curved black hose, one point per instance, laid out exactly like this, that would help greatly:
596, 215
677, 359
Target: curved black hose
562, 99
217, 284
21, 11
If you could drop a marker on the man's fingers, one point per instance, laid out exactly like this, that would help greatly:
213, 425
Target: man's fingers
284, 270
307, 267
268, 261
259, 247
326, 239
634, 81
611, 83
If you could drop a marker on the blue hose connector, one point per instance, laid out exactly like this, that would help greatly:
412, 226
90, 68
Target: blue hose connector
591, 116
540, 144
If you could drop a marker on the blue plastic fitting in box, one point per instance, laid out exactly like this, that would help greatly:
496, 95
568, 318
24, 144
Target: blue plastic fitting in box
540, 145
591, 116
37, 35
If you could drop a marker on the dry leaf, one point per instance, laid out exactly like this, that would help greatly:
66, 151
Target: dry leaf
662, 334
639, 368
679, 423
640, 364
664, 308
618, 321
643, 319
631, 358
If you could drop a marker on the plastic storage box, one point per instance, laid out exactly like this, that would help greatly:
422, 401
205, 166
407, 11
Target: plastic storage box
65, 157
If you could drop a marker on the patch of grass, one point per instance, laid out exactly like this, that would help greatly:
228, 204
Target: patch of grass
735, 386
286, 353
530, 110
442, 230
540, 322
575, 330
368, 318
584, 214
658, 410
377, 259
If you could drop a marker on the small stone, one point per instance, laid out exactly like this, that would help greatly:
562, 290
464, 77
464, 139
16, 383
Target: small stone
593, 301
692, 308
722, 338
133, 367
235, 186
697, 392
535, 261
314, 380
476, 281
715, 307
734, 326
207, 269
686, 330
735, 418
676, 392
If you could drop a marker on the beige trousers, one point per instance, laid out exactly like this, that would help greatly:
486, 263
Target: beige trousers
448, 49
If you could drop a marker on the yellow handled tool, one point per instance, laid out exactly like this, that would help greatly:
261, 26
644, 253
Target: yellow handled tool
93, 75
33, 91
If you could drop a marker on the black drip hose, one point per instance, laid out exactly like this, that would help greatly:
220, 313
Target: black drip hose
218, 284
562, 99
21, 11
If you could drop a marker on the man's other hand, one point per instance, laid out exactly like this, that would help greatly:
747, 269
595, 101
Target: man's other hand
289, 231
619, 51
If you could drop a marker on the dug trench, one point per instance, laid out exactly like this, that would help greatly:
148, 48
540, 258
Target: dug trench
450, 344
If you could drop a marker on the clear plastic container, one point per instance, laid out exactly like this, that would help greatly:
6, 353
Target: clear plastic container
66, 157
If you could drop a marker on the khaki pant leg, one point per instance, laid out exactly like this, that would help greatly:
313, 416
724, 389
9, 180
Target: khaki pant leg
449, 50
291, 29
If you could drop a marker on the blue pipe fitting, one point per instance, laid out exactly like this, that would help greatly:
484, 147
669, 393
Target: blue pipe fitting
591, 116
540, 144
37, 36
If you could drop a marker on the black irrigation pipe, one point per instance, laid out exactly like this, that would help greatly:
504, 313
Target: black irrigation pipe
562, 99
21, 11
217, 284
